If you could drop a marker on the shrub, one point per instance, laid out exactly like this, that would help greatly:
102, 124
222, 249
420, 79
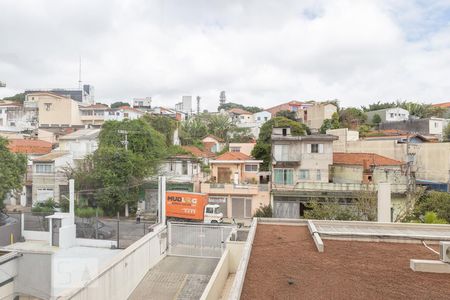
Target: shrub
263, 212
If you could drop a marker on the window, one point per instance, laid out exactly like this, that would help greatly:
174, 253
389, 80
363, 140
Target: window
303, 174
318, 175
184, 167
265, 118
44, 168
283, 176
125, 115
171, 166
251, 168
258, 118
235, 149
209, 210
314, 148
392, 115
47, 106
435, 124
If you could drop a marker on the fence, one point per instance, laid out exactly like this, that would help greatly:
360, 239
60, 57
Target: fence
10, 228
198, 240
36, 221
124, 231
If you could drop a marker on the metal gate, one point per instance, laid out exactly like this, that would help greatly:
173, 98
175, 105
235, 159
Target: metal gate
287, 210
198, 240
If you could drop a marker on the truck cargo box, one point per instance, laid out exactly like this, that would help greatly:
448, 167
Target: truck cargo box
185, 205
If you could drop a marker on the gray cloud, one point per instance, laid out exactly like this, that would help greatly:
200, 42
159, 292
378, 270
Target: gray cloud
260, 52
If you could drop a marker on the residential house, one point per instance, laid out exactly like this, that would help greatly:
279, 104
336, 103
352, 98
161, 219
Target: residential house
245, 148
254, 122
80, 143
400, 136
32, 149
123, 113
234, 185
428, 126
54, 110
367, 168
239, 115
445, 105
430, 160
213, 143
314, 114
262, 117
15, 118
183, 169
204, 155
49, 176
177, 115
389, 114
292, 106
94, 114
142, 103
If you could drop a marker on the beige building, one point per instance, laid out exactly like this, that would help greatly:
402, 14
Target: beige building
55, 110
234, 185
94, 114
431, 161
314, 115
245, 148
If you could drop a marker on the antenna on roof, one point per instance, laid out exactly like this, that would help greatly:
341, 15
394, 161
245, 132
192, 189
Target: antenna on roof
79, 75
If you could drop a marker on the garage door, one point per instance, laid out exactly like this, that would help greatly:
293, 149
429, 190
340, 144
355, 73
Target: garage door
287, 210
241, 207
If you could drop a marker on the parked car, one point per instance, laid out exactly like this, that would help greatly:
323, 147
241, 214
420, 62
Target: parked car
6, 219
87, 230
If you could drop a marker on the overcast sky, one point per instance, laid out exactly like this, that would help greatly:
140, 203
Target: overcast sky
260, 52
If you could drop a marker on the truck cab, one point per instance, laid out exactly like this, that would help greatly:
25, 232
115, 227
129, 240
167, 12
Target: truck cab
212, 214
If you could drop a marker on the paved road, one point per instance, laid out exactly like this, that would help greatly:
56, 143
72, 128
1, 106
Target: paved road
176, 278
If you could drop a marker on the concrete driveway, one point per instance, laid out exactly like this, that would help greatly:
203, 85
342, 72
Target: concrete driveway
176, 278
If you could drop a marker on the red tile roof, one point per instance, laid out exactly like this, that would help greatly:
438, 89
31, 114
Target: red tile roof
95, 106
213, 137
285, 106
340, 158
444, 105
198, 152
29, 146
233, 156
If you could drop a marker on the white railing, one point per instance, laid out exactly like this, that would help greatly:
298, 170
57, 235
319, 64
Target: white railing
326, 186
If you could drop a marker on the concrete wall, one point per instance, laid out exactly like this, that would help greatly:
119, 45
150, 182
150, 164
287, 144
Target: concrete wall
34, 275
347, 174
62, 111
123, 274
218, 279
7, 230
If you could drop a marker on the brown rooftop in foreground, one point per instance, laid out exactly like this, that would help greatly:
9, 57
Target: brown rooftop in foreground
285, 264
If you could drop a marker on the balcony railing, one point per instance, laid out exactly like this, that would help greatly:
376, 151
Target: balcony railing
326, 186
238, 189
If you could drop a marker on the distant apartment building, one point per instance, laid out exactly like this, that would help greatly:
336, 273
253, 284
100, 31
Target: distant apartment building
185, 105
239, 115
389, 114
53, 110
314, 114
94, 114
82, 95
14, 117
429, 126
123, 113
143, 103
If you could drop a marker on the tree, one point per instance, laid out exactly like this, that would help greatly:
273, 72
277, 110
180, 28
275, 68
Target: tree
376, 119
352, 117
231, 105
379, 105
115, 173
287, 114
446, 136
164, 125
12, 170
434, 201
241, 135
16, 98
263, 147
332, 123
220, 125
119, 104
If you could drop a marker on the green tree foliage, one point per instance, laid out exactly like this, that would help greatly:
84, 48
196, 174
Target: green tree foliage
263, 147
241, 135
287, 114
435, 202
332, 123
447, 133
164, 125
119, 104
432, 218
352, 117
379, 105
219, 125
364, 130
363, 208
376, 119
114, 173
263, 212
231, 105
16, 98
12, 170
193, 130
